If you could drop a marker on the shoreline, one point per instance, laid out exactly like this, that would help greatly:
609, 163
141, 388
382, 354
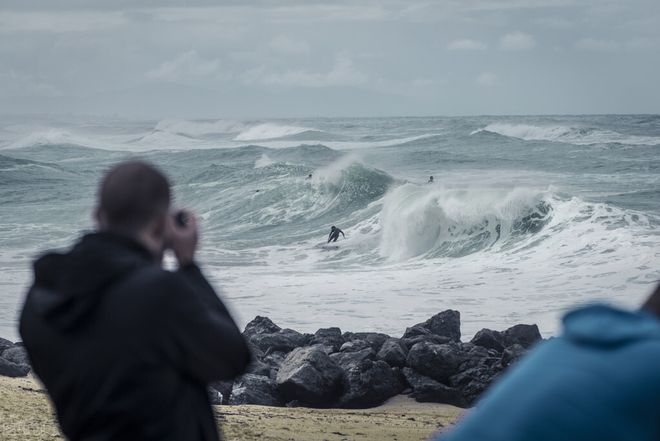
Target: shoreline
26, 414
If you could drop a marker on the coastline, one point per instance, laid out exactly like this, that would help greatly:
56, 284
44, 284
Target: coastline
26, 414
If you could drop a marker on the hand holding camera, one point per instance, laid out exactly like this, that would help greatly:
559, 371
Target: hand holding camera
183, 236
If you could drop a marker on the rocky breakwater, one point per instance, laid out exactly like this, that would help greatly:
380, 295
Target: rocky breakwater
362, 369
14, 360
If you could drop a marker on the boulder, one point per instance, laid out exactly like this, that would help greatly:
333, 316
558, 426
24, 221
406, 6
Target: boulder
425, 389
223, 388
11, 369
473, 382
393, 352
328, 337
216, 397
284, 340
355, 346
257, 367
524, 335
369, 383
255, 389
4, 344
16, 354
511, 355
347, 359
261, 325
374, 339
489, 339
310, 376
446, 324
439, 362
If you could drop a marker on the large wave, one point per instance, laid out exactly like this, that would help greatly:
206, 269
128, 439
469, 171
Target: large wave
566, 134
269, 131
421, 221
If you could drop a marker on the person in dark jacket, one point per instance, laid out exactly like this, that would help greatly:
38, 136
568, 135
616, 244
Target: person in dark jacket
125, 348
334, 234
599, 380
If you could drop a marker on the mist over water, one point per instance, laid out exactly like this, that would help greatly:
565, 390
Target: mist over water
527, 216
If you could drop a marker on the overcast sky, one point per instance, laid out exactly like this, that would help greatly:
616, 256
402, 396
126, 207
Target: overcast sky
202, 58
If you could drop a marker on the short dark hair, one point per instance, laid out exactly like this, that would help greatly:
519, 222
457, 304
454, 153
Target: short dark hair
132, 194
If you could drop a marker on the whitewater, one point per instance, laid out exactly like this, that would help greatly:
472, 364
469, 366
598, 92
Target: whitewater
527, 217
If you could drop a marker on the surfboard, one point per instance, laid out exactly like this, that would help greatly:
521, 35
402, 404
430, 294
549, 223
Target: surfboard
329, 247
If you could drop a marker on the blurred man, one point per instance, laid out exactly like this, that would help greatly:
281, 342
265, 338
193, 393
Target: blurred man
125, 348
600, 380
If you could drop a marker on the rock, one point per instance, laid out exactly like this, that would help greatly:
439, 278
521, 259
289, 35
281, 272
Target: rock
524, 335
473, 382
425, 389
431, 338
257, 367
393, 352
346, 359
489, 339
310, 376
16, 354
355, 346
329, 337
261, 325
255, 389
446, 324
436, 361
375, 339
4, 344
369, 383
223, 388
284, 340
216, 397
512, 354
11, 369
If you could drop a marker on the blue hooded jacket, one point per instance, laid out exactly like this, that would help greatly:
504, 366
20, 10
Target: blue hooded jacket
600, 380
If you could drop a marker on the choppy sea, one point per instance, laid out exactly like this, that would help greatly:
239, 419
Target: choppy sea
526, 217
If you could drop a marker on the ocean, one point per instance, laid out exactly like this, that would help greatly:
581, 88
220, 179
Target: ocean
527, 216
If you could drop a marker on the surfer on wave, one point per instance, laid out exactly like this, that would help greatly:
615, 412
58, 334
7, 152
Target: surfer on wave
334, 234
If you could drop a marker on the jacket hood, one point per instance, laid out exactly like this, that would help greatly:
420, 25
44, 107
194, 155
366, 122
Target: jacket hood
67, 287
602, 325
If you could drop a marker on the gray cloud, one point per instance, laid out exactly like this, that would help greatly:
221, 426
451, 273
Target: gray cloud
361, 57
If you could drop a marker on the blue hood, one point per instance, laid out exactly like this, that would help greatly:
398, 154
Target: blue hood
602, 325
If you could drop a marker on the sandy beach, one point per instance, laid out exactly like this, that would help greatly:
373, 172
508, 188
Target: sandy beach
26, 414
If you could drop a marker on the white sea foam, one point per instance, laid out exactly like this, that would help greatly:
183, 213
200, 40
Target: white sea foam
199, 128
565, 134
263, 161
269, 131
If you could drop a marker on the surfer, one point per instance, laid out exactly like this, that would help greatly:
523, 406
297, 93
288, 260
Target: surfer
430, 180
334, 234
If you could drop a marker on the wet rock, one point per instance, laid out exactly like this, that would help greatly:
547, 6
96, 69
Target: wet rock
216, 397
426, 389
284, 340
16, 354
524, 335
255, 389
310, 376
257, 367
11, 369
4, 344
489, 339
439, 362
375, 339
355, 346
393, 352
260, 325
473, 382
329, 337
223, 388
512, 354
446, 324
347, 359
369, 383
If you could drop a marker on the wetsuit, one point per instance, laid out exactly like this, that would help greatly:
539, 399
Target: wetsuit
334, 235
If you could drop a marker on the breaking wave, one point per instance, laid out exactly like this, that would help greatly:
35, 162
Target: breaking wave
564, 134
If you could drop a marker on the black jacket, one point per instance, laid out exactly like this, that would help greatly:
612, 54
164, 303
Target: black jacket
125, 348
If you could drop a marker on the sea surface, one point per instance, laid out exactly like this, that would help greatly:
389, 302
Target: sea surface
527, 216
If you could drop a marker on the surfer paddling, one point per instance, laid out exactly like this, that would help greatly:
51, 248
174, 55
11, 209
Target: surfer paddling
334, 234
